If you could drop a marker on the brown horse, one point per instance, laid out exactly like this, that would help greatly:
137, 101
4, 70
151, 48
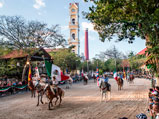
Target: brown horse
94, 77
32, 88
50, 95
120, 83
131, 78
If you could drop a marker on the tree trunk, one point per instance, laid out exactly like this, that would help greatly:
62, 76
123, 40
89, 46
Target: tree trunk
24, 70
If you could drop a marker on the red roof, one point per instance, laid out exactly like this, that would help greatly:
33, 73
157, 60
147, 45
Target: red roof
142, 52
15, 54
51, 50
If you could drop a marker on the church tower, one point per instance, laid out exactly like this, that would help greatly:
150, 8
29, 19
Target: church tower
74, 27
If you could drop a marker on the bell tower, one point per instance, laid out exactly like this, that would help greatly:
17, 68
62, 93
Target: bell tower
74, 27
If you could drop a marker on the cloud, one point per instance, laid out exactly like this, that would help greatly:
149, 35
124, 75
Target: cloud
64, 28
39, 13
38, 4
87, 25
1, 4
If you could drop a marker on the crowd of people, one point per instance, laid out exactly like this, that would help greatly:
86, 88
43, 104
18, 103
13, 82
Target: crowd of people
10, 86
154, 102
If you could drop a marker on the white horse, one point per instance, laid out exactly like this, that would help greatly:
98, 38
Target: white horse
69, 83
105, 89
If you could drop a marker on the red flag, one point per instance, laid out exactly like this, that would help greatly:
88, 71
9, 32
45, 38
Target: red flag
63, 77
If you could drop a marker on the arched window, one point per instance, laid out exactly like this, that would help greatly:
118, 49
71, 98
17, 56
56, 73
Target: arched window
73, 51
73, 10
73, 21
73, 36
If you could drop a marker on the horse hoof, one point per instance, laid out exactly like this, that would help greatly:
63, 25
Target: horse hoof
42, 103
37, 105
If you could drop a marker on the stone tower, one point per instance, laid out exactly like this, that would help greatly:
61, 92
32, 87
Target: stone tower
74, 27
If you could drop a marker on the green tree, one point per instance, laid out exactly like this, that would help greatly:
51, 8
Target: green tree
64, 58
127, 19
112, 54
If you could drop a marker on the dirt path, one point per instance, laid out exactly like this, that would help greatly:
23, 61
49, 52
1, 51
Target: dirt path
81, 102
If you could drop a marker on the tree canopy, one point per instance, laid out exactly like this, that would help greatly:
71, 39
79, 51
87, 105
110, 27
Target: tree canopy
65, 59
128, 19
17, 33
124, 18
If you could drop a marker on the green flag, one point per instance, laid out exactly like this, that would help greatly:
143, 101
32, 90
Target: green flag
48, 66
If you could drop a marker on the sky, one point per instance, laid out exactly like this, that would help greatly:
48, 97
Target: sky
55, 12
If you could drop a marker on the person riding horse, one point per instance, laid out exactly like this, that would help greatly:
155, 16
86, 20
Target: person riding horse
54, 86
120, 81
106, 79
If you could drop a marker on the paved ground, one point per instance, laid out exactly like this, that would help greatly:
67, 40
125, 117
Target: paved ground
81, 102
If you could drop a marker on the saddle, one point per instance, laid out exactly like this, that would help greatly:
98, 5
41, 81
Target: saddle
107, 86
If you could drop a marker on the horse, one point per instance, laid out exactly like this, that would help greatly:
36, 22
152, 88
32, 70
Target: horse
131, 78
120, 83
40, 89
50, 95
69, 83
105, 89
32, 88
85, 79
94, 77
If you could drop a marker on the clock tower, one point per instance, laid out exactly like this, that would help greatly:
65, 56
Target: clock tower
74, 27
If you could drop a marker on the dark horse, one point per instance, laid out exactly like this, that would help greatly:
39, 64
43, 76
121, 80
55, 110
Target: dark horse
120, 83
85, 79
131, 78
105, 88
50, 95
94, 77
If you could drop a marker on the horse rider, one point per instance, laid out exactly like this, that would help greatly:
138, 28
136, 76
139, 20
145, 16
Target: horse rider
106, 79
37, 79
54, 86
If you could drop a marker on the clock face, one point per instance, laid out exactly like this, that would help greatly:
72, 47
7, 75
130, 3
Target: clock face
73, 10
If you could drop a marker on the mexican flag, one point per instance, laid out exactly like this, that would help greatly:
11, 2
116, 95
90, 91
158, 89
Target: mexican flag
115, 75
53, 70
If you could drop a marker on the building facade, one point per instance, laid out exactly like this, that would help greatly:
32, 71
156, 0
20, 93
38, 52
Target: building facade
74, 27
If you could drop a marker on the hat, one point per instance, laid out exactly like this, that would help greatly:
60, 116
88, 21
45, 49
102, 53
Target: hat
141, 116
154, 93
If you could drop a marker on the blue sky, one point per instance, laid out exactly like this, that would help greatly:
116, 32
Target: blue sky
56, 12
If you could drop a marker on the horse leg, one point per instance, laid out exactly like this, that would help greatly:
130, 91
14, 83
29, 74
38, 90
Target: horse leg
102, 96
34, 93
60, 100
109, 95
41, 94
49, 105
105, 96
56, 100
38, 100
31, 93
